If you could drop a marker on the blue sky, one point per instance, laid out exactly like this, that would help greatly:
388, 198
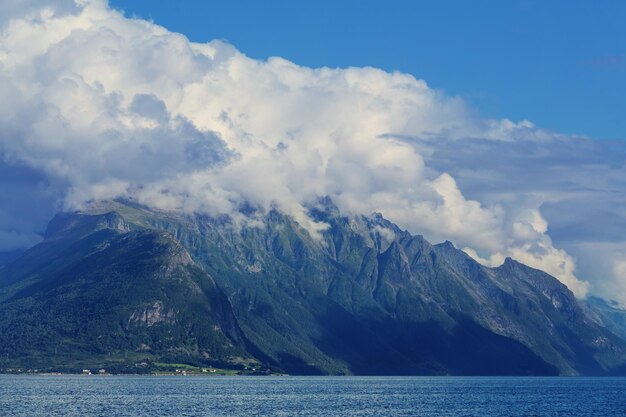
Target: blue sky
559, 64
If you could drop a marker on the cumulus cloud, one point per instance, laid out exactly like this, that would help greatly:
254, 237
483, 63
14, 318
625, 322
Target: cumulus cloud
568, 190
105, 106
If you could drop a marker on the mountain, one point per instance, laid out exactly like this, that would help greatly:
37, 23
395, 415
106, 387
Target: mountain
609, 314
130, 283
9, 256
95, 292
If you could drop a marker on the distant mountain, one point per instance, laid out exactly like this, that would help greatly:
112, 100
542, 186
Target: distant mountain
125, 283
610, 314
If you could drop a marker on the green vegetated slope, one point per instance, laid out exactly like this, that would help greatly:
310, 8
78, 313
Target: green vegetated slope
365, 297
96, 293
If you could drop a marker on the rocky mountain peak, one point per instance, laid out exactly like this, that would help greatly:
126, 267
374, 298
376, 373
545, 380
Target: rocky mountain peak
369, 298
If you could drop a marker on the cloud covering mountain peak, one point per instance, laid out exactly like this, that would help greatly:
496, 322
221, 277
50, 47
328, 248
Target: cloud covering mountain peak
99, 106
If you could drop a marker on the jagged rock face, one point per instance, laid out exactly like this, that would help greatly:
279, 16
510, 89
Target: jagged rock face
151, 315
366, 298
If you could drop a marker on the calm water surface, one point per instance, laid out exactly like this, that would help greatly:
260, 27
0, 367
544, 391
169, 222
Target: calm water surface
309, 396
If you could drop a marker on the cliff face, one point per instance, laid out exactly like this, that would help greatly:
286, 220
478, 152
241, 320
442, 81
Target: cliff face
365, 298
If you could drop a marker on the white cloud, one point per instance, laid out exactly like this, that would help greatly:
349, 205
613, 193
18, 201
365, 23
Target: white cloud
606, 261
619, 269
113, 106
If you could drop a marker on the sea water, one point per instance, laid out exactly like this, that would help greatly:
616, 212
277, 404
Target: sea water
309, 396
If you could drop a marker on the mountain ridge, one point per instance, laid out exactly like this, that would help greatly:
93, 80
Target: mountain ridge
366, 298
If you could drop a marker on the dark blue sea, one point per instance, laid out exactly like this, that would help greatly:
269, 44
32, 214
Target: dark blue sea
309, 396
